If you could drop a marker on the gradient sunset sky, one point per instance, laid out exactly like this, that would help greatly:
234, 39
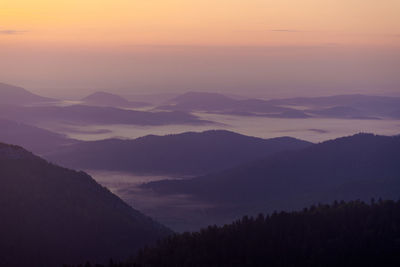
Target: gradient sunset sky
271, 47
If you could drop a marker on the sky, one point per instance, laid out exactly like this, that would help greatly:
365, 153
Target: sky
258, 47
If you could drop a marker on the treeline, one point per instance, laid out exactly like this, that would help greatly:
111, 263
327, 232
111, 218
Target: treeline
341, 234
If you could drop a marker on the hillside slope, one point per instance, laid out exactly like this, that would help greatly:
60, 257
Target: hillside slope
32, 138
14, 95
342, 234
112, 100
356, 167
51, 215
187, 153
96, 115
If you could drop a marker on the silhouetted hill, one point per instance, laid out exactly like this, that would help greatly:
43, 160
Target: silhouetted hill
340, 112
342, 234
51, 215
356, 167
335, 100
188, 153
218, 103
82, 114
14, 95
112, 100
346, 106
32, 138
339, 106
200, 101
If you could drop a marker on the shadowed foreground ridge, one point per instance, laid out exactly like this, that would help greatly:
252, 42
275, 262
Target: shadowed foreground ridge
52, 215
341, 234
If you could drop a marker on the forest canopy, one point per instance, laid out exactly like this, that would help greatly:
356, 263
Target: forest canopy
341, 234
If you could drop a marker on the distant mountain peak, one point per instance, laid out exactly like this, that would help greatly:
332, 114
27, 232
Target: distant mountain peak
194, 95
102, 94
102, 98
15, 95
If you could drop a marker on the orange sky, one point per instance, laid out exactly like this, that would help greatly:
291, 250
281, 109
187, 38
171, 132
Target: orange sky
199, 22
268, 47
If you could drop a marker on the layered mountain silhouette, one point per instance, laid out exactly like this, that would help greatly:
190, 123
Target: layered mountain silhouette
18, 104
218, 103
52, 215
112, 100
356, 167
347, 106
378, 102
81, 114
14, 95
186, 154
32, 138
339, 106
200, 101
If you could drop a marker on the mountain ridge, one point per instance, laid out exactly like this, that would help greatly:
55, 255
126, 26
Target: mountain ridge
52, 215
361, 166
101, 98
187, 153
34, 139
15, 95
352, 106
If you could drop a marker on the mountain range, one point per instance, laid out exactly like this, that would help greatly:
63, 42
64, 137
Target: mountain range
188, 153
20, 105
14, 95
339, 106
111, 100
34, 139
95, 115
347, 106
362, 166
218, 103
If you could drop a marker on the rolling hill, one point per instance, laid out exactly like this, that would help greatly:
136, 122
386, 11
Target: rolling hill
14, 95
338, 106
32, 138
346, 106
355, 167
218, 103
183, 154
111, 100
82, 114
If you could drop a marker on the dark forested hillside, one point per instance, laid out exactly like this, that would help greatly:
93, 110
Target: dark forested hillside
51, 215
342, 234
188, 153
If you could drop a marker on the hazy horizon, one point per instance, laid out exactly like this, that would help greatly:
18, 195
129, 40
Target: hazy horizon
270, 72
254, 48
